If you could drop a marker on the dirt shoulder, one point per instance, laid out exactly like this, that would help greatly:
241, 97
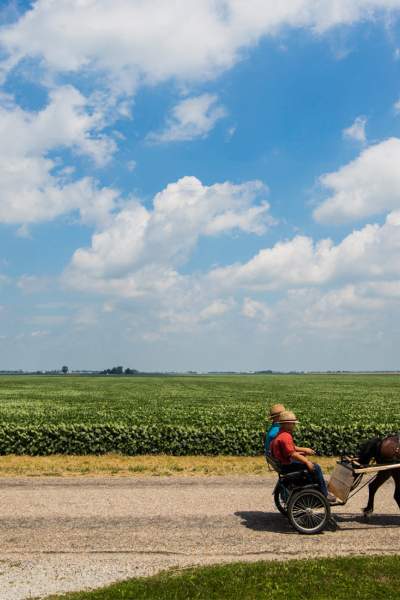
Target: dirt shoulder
139, 466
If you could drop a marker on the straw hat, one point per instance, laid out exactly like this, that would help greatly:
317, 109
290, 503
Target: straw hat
276, 410
287, 416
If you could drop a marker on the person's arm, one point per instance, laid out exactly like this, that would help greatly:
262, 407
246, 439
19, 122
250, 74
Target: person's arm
301, 458
306, 451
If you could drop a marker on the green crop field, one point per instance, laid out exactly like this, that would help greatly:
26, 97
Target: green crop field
190, 414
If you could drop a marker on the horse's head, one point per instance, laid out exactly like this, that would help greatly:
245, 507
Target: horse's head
389, 450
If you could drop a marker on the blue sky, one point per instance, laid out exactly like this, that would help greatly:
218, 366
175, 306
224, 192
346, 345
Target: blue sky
200, 185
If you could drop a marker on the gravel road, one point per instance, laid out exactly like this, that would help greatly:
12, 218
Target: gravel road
63, 534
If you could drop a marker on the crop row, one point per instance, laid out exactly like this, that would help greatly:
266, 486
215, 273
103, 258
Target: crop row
200, 402
174, 440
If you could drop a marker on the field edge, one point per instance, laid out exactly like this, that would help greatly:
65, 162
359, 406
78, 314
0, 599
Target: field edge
139, 466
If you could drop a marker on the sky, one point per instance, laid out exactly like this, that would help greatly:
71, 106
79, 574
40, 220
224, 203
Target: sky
200, 184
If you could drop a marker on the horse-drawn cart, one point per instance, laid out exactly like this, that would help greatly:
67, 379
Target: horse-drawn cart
305, 506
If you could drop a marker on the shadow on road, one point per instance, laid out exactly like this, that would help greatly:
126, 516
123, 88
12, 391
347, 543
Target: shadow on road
375, 520
276, 523
264, 521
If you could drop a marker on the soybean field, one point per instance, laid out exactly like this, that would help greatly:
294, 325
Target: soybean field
190, 414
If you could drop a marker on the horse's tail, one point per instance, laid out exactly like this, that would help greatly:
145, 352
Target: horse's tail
368, 451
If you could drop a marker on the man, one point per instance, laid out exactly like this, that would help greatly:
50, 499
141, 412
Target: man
293, 458
274, 428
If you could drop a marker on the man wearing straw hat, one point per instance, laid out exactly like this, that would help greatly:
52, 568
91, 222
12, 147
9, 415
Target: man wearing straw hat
293, 458
274, 428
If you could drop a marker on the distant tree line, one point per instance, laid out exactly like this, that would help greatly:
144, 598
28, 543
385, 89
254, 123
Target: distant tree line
119, 371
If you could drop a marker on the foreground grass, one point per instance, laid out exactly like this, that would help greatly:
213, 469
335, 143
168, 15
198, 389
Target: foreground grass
135, 466
325, 579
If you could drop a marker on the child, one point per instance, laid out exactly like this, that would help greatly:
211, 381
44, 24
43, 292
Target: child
274, 428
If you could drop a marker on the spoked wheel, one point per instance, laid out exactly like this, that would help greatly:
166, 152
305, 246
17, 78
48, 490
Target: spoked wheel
309, 511
281, 496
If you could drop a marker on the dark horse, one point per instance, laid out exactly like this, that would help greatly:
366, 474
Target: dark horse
384, 451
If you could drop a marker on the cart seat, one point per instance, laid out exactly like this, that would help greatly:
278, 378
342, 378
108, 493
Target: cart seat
276, 466
294, 475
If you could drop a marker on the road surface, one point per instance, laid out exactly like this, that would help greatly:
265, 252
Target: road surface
63, 534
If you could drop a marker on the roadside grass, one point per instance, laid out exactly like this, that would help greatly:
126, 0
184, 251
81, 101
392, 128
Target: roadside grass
366, 578
138, 466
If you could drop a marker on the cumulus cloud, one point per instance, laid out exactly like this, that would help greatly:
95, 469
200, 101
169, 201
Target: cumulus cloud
119, 45
303, 318
367, 254
138, 258
368, 185
216, 309
190, 119
336, 313
31, 189
131, 41
137, 255
254, 309
64, 122
162, 239
356, 131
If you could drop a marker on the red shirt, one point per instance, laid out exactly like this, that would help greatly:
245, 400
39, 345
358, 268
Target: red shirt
282, 447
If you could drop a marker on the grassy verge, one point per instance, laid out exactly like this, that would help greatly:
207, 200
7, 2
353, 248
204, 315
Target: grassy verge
371, 578
135, 466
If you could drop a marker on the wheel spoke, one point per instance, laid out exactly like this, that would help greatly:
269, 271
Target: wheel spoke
317, 518
298, 511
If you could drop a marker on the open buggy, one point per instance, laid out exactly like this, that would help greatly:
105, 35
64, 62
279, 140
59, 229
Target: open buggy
302, 502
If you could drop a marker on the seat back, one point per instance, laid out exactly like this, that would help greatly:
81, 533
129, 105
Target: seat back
296, 479
273, 463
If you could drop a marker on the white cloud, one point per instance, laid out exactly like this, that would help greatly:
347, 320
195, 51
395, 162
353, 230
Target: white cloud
124, 44
190, 119
131, 40
216, 309
136, 259
163, 239
356, 131
316, 286
136, 254
367, 254
31, 190
368, 185
254, 309
337, 313
307, 316
397, 106
64, 122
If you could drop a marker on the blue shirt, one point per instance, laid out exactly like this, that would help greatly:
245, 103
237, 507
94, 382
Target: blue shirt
271, 434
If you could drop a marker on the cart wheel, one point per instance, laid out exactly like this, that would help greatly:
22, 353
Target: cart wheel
309, 511
281, 496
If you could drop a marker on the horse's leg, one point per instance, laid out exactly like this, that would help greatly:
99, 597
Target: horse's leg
373, 488
396, 476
